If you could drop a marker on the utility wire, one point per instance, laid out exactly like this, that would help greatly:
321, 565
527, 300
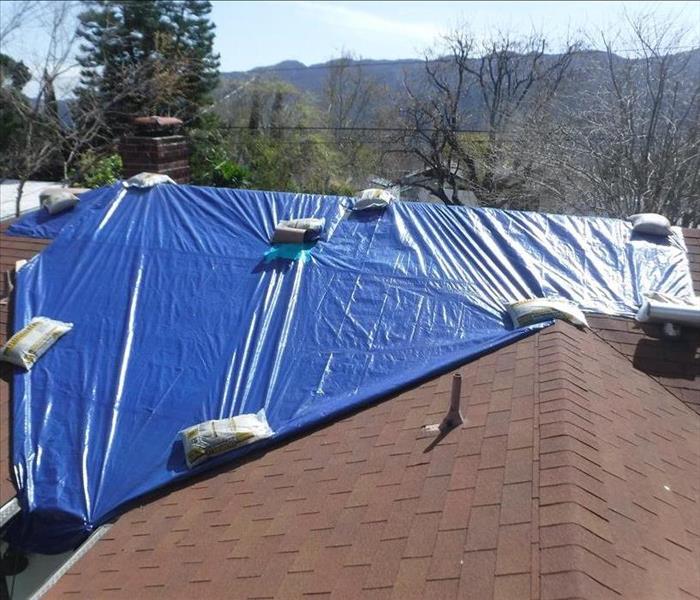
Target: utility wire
327, 128
339, 65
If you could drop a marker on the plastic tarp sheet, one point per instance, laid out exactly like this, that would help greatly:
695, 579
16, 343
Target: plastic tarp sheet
182, 313
40, 224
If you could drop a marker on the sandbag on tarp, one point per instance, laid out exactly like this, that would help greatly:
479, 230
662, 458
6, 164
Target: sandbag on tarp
180, 318
42, 224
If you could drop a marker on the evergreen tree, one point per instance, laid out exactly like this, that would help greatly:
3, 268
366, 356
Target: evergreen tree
146, 57
276, 121
14, 75
254, 120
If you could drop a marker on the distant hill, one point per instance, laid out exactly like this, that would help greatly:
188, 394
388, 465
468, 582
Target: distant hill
587, 70
312, 78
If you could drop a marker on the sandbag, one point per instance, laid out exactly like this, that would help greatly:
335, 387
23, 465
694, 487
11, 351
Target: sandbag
55, 201
651, 224
297, 231
30, 343
147, 180
211, 438
528, 312
374, 199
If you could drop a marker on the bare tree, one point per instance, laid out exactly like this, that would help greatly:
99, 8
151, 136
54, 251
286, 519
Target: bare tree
348, 94
56, 138
506, 79
434, 118
37, 144
14, 15
353, 102
630, 142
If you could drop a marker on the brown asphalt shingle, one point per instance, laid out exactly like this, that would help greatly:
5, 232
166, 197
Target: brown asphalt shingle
675, 363
574, 476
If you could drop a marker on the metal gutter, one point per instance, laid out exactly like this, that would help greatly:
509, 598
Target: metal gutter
9, 510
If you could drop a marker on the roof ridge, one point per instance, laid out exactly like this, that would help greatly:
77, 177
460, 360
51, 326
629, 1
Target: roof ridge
570, 484
591, 492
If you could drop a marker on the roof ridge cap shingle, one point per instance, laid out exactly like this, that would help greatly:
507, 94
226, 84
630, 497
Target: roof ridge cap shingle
571, 489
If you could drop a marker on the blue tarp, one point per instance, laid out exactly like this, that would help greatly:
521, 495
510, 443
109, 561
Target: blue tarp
181, 314
41, 224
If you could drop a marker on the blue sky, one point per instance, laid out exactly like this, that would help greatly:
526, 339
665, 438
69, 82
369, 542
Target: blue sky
251, 34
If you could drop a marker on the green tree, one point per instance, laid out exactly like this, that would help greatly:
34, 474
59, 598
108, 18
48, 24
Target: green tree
155, 56
14, 75
211, 158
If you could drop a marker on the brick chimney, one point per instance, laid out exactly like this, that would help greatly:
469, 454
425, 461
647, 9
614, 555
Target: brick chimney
156, 147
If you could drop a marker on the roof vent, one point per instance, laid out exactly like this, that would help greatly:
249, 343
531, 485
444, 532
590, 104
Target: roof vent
661, 308
453, 418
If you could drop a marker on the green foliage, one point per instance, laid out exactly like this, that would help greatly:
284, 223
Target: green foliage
230, 174
210, 157
277, 154
295, 162
13, 73
148, 57
13, 107
12, 124
93, 171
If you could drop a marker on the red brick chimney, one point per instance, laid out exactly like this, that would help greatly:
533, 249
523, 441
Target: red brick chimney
156, 148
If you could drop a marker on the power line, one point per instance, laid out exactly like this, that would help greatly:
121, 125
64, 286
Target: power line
328, 142
327, 128
333, 65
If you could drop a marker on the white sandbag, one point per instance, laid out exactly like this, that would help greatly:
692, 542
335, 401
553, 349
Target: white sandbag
30, 343
651, 224
296, 231
374, 199
527, 312
211, 438
55, 201
147, 180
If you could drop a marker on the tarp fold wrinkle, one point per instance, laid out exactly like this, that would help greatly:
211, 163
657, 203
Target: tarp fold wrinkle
180, 318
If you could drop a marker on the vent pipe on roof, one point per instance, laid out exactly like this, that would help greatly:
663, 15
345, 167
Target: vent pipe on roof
453, 418
671, 312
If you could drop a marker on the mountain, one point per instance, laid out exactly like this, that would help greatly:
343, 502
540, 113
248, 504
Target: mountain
587, 69
312, 78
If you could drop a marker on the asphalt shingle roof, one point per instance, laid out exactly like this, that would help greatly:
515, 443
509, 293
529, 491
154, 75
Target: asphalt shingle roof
574, 476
